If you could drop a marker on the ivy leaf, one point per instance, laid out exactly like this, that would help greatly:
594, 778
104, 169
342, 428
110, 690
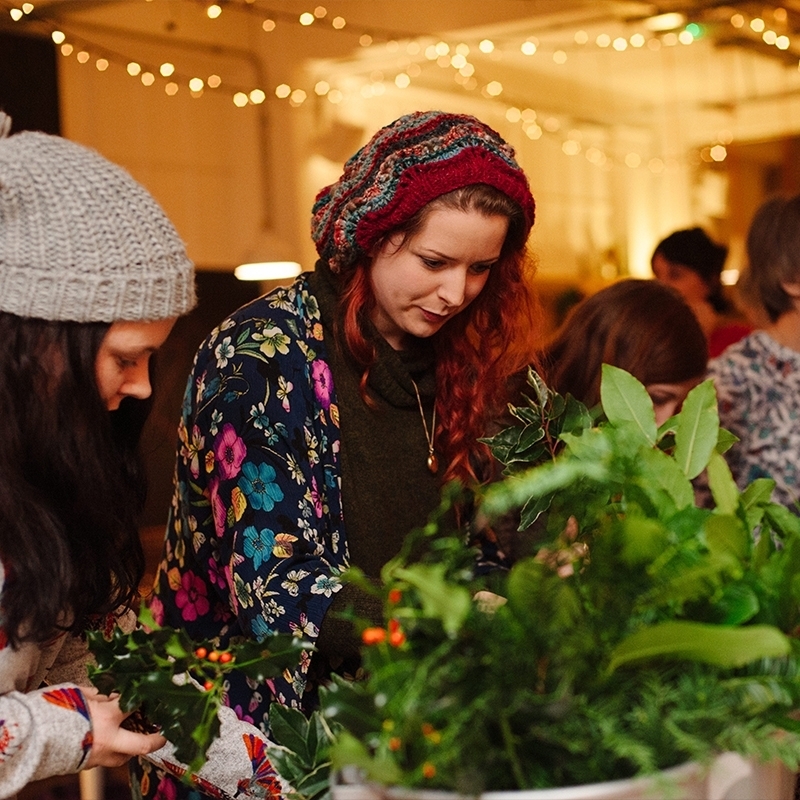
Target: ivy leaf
503, 443
576, 416
625, 400
697, 641
698, 429
540, 387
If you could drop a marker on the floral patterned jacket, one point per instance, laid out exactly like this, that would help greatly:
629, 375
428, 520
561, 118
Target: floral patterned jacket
255, 538
758, 386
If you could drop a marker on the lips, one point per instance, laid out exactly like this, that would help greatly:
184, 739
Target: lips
432, 316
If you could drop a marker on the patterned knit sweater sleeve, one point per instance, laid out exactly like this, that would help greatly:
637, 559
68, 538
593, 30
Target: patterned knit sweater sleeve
43, 731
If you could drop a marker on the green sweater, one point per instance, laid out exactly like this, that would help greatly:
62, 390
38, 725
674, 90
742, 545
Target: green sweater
387, 488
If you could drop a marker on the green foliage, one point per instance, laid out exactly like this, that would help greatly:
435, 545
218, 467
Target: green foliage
177, 683
303, 757
642, 631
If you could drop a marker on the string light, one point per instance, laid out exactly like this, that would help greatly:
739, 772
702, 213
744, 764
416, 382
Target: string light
450, 55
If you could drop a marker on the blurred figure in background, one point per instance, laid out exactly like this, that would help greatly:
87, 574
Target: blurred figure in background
690, 262
758, 378
640, 326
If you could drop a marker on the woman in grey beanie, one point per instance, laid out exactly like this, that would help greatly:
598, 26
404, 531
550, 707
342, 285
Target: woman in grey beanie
92, 278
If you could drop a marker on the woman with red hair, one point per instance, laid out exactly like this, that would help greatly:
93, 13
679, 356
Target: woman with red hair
321, 420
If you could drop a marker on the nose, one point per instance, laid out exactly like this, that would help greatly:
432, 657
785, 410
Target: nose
452, 288
137, 382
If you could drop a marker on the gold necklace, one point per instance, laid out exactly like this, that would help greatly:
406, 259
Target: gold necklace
433, 462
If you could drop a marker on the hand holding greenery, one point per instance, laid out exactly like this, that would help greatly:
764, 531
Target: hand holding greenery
641, 632
177, 684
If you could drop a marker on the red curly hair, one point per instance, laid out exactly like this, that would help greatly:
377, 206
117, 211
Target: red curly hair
479, 349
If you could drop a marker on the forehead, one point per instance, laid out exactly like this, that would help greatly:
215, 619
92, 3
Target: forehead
137, 335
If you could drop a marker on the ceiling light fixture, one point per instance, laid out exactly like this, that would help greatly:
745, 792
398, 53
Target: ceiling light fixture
665, 22
267, 270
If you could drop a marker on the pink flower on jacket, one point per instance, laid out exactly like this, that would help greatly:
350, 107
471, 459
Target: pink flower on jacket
156, 609
229, 451
323, 382
218, 508
166, 790
192, 598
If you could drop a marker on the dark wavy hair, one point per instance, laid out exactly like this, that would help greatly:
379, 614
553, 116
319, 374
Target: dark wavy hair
693, 248
641, 326
480, 348
71, 484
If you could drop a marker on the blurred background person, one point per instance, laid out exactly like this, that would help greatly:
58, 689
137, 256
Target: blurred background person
641, 326
691, 262
758, 378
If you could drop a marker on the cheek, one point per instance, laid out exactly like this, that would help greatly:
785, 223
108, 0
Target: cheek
107, 377
475, 285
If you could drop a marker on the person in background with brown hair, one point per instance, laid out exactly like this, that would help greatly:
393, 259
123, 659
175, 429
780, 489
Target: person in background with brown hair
690, 262
758, 378
641, 326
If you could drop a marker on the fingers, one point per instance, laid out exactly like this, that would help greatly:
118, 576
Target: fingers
129, 743
114, 745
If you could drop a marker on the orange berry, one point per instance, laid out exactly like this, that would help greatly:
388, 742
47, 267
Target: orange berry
373, 635
213, 655
395, 743
394, 625
397, 638
224, 658
208, 685
395, 596
428, 770
201, 652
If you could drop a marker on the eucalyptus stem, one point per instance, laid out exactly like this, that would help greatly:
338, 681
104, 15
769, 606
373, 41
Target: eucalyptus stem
511, 752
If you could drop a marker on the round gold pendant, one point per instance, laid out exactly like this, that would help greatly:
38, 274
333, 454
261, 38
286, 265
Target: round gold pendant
433, 463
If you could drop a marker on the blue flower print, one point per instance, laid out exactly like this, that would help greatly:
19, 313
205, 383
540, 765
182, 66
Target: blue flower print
261, 629
258, 545
259, 416
325, 584
258, 484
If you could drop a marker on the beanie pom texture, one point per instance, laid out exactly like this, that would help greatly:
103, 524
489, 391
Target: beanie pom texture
82, 241
405, 166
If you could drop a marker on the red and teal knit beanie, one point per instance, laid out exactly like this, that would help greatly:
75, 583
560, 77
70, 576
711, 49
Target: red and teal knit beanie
405, 166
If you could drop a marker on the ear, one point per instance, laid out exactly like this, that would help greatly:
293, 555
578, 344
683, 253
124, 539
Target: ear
792, 289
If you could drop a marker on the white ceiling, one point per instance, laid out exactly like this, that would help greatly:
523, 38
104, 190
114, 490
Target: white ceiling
727, 80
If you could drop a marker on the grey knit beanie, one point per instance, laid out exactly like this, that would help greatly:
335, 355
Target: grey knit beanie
81, 240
